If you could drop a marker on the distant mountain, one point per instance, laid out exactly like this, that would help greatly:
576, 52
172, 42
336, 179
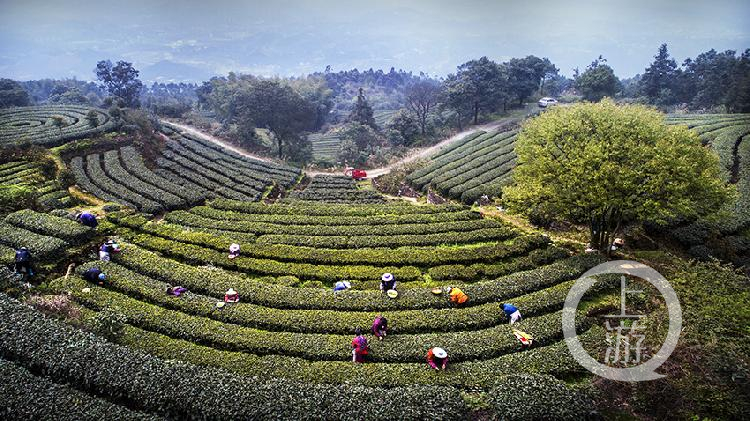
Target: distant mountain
166, 71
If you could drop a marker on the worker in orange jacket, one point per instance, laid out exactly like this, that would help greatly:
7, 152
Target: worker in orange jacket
457, 296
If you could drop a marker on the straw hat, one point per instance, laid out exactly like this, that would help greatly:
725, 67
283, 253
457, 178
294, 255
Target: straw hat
231, 291
387, 277
234, 248
439, 352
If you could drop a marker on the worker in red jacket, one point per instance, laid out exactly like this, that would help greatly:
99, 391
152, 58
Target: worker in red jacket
359, 347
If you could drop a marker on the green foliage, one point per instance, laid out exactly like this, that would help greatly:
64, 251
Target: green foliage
50, 125
362, 112
478, 166
335, 189
16, 196
597, 82
607, 165
12, 94
43, 247
50, 225
490, 342
27, 396
168, 388
109, 322
214, 282
540, 397
659, 80
334, 210
121, 81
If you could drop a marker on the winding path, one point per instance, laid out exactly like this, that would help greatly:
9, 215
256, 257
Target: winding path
375, 172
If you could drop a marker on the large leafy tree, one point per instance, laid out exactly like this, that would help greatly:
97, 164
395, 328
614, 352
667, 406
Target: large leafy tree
597, 81
608, 165
659, 79
120, 80
271, 105
482, 84
527, 75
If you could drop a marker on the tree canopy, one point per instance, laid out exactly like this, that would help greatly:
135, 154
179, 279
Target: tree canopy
608, 165
362, 112
598, 81
120, 80
12, 94
269, 104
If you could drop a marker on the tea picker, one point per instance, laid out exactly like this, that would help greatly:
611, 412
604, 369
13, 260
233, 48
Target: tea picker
437, 358
23, 262
95, 275
88, 219
523, 337
107, 249
341, 286
231, 296
234, 251
387, 282
380, 327
359, 347
457, 296
512, 312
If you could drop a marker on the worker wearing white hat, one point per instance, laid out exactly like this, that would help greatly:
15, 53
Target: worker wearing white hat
234, 250
231, 296
387, 282
437, 358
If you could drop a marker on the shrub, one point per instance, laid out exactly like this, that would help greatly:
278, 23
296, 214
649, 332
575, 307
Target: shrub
169, 388
50, 225
524, 397
42, 246
215, 282
26, 396
57, 305
108, 323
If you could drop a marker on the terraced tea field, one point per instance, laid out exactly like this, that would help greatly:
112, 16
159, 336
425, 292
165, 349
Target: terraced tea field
189, 171
729, 136
291, 325
24, 175
325, 147
37, 125
335, 189
479, 164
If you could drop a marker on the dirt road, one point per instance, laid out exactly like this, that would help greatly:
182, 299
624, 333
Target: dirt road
216, 140
372, 173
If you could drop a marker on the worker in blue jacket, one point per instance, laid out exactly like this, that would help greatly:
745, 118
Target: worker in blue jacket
23, 261
512, 312
88, 219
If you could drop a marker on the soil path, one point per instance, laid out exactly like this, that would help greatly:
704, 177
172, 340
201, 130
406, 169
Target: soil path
432, 150
375, 172
216, 140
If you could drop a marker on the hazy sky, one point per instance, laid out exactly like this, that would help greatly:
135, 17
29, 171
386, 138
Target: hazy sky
196, 39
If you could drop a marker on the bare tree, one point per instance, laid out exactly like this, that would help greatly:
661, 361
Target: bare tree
420, 98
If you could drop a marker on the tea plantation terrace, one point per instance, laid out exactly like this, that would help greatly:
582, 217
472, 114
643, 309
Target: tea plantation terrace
290, 324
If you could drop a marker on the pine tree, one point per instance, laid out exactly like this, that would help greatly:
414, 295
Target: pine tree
659, 78
362, 112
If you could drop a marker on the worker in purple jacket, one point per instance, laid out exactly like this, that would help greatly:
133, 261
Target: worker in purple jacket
380, 327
